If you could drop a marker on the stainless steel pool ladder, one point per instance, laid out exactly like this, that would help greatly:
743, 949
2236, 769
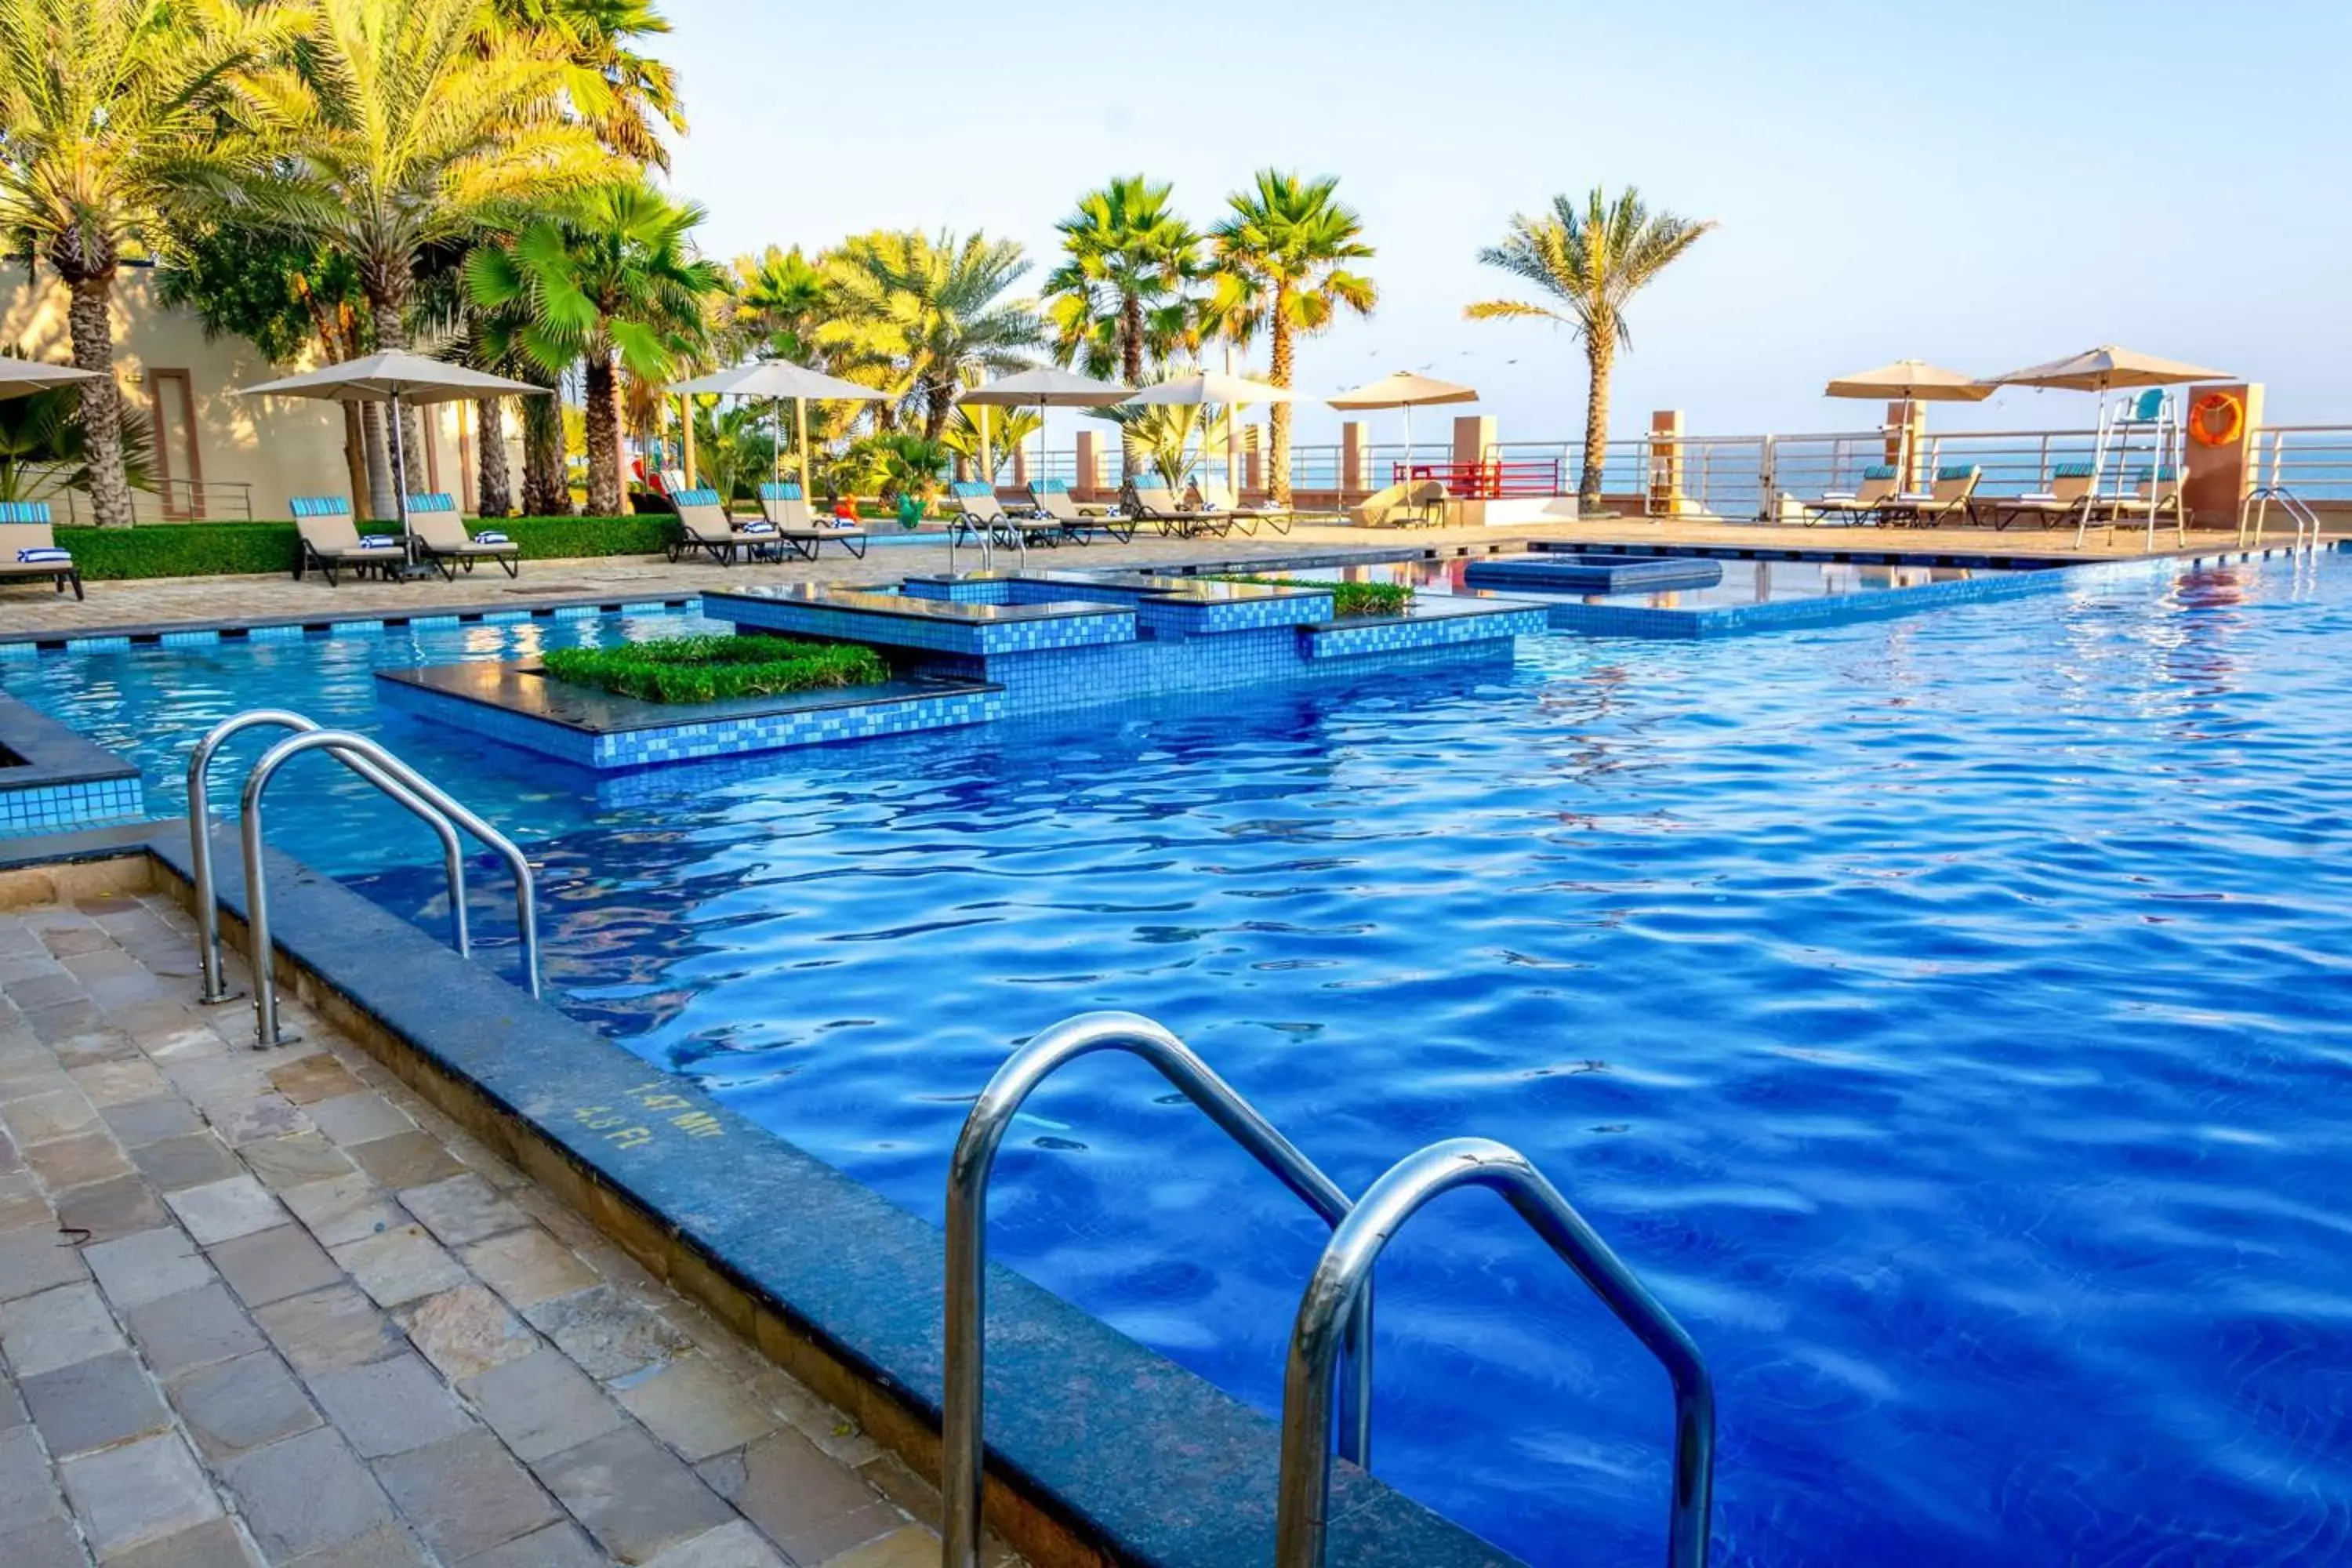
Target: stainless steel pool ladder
1326, 1320
967, 1236
379, 767
2255, 510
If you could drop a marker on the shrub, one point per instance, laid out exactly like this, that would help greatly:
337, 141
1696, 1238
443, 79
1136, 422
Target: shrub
709, 669
228, 549
1347, 599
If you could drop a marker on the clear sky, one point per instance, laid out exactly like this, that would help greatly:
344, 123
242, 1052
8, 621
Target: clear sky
1983, 185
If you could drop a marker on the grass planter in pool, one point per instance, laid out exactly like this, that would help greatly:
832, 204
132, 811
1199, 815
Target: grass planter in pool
1347, 599
716, 668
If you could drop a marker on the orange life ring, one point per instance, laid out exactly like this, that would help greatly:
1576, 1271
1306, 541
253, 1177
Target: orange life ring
2202, 415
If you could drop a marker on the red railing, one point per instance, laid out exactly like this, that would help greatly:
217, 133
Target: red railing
1492, 479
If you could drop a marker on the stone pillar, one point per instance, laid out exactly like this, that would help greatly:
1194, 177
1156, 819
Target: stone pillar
1667, 462
1253, 461
1356, 477
1473, 434
1087, 483
685, 438
2218, 479
1021, 465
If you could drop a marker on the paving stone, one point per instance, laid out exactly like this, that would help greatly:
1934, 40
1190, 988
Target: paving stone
462, 1209
188, 1039
32, 1261
78, 1161
23, 1207
111, 1210
735, 1545
147, 1266
362, 1118
227, 1079
465, 1494
71, 940
542, 1404
213, 1544
113, 1084
306, 1493
557, 1546
193, 1329
67, 1020
314, 1078
57, 1328
283, 1163
197, 1160
44, 987
140, 1493
219, 1211
137, 1121
93, 1403
343, 1208
271, 1264
51, 1543
27, 1494
242, 1405
399, 1266
386, 1546
814, 1508
698, 1407
256, 1116
608, 1334
45, 1117
389, 1406
527, 1267
633, 1496
466, 1332
913, 1547
12, 1408
405, 1160
327, 1330
93, 1046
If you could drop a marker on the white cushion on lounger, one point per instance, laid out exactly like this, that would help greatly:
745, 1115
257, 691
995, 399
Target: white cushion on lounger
44, 555
2039, 495
492, 537
380, 542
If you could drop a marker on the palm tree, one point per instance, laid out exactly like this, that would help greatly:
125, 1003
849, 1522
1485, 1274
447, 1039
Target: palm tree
1007, 428
106, 105
920, 316
1590, 262
611, 282
776, 300
624, 96
1117, 299
1286, 239
403, 124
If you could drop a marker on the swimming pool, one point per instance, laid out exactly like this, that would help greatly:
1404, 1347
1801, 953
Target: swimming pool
1948, 1017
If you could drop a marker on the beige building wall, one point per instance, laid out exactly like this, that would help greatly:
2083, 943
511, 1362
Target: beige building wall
266, 450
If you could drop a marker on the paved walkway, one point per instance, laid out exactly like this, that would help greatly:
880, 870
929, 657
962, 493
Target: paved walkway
271, 1309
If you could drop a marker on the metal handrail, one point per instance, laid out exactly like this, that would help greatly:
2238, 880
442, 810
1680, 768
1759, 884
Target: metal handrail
216, 988
991, 1114
1345, 1272
349, 748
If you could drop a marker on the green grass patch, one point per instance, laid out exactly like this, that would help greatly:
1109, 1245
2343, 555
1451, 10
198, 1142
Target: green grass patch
711, 669
1347, 599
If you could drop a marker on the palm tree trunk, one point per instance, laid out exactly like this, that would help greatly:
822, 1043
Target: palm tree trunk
1277, 416
91, 278
355, 456
1601, 354
387, 290
544, 492
938, 402
494, 498
604, 437
383, 501
1130, 365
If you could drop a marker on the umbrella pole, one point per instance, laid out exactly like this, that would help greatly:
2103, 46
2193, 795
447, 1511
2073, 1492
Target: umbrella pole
400, 485
776, 423
800, 431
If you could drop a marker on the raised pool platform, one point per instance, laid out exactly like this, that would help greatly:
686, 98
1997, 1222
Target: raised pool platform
967, 650
53, 781
1594, 574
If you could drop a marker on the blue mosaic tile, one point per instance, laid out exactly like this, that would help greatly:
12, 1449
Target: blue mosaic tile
57, 808
97, 645
190, 639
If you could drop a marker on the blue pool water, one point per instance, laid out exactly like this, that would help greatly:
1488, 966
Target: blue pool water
1948, 1017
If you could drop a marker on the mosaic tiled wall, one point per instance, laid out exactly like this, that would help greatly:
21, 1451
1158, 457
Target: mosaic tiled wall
60, 808
981, 637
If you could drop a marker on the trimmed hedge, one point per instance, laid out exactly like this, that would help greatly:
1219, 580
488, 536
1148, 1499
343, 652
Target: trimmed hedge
223, 549
709, 669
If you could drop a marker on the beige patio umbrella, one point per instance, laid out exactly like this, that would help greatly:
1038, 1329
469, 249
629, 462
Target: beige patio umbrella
24, 377
1912, 380
1041, 390
399, 378
777, 379
1407, 391
2108, 369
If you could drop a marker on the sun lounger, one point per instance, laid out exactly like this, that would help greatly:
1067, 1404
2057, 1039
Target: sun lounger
1148, 498
703, 524
1051, 499
28, 551
332, 544
978, 511
442, 538
2153, 494
1217, 496
800, 531
2070, 484
1953, 495
1409, 505
1859, 504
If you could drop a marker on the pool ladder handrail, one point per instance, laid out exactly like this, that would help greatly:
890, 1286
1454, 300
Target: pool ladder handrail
1343, 1276
962, 1458
376, 764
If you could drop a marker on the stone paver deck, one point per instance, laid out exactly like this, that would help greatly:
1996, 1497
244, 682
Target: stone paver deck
268, 1307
